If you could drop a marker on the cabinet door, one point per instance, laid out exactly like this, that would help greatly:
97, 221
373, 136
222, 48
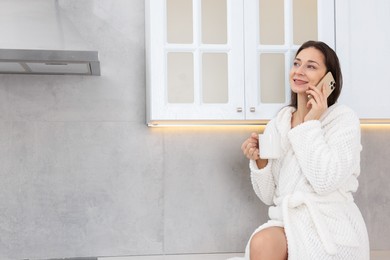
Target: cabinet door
274, 30
195, 65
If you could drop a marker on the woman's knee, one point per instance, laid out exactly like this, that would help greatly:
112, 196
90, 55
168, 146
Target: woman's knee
261, 241
269, 241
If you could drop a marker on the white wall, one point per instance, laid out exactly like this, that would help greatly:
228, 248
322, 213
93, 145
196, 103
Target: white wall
82, 175
363, 45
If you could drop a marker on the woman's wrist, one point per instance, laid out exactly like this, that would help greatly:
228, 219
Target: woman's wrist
261, 163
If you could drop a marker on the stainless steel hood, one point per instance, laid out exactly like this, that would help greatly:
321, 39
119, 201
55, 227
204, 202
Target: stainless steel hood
36, 37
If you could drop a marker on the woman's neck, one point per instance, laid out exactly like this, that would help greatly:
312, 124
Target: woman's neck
298, 116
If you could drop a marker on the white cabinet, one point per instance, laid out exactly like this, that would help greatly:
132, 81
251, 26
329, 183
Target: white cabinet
226, 60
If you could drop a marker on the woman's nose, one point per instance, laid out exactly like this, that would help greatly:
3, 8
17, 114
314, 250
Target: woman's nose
300, 70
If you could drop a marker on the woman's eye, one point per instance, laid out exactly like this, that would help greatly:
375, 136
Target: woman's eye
296, 64
311, 67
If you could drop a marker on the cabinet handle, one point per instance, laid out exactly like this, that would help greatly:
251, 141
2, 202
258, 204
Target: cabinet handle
239, 109
252, 109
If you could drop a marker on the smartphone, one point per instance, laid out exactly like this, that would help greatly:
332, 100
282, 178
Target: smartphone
328, 83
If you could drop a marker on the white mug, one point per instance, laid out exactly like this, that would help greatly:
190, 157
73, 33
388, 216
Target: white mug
269, 146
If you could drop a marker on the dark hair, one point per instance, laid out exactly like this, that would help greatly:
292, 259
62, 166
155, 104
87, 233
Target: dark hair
332, 64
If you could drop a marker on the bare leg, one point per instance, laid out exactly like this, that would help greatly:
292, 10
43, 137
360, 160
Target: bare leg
269, 243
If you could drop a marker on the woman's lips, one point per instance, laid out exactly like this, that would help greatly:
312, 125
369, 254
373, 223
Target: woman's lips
300, 82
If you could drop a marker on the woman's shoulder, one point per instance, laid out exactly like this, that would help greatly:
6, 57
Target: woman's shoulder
340, 112
282, 121
285, 113
341, 109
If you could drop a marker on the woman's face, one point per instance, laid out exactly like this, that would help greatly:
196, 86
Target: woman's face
308, 68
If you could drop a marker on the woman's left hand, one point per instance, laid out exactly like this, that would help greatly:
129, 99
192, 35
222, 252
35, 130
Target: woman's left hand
317, 104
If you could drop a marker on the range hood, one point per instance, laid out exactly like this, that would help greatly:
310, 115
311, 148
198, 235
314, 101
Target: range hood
36, 37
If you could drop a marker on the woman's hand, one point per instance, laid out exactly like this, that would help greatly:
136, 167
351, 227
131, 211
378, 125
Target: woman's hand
317, 104
250, 148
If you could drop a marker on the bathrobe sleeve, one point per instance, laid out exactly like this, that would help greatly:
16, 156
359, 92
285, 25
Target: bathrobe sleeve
328, 159
263, 182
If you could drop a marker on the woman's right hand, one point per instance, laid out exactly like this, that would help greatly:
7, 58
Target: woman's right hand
250, 148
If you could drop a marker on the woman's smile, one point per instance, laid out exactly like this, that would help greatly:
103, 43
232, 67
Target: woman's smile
300, 82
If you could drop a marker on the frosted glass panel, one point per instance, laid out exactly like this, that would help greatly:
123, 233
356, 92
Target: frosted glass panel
215, 78
214, 21
272, 81
179, 21
305, 17
271, 19
180, 77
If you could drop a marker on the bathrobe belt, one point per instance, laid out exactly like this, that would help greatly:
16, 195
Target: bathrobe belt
284, 205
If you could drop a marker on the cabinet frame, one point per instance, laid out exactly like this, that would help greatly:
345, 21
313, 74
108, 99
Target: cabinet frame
244, 105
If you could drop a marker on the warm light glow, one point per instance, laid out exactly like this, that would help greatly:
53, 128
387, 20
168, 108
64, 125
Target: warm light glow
382, 124
364, 123
375, 126
206, 123
376, 121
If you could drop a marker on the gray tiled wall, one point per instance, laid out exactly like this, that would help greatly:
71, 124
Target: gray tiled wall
81, 174
373, 195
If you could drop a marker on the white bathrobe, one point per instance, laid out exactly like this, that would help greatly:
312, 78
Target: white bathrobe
310, 186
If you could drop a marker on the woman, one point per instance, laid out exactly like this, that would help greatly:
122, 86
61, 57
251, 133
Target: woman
313, 215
